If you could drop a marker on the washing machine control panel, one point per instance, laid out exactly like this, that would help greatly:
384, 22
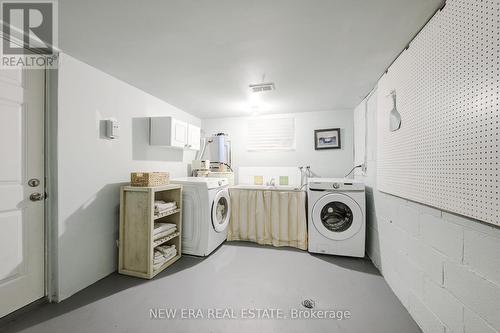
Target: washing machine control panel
329, 184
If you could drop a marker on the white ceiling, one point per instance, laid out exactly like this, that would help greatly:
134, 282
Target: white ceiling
201, 55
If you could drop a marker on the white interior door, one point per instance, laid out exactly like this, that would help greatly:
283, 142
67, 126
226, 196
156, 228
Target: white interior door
21, 160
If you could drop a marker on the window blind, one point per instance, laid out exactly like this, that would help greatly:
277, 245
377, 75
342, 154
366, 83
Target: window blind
271, 134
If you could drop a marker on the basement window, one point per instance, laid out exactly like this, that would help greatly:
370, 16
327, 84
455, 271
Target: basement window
271, 134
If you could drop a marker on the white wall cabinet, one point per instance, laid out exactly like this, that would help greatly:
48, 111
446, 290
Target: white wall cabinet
171, 132
178, 133
194, 133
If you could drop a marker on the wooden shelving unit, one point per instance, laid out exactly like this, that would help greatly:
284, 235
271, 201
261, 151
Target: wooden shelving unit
137, 218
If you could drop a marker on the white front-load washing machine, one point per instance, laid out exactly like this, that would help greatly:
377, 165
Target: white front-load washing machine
336, 214
206, 211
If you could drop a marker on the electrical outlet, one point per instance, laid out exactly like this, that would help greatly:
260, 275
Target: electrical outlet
363, 167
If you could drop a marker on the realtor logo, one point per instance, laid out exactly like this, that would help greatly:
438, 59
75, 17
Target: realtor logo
29, 34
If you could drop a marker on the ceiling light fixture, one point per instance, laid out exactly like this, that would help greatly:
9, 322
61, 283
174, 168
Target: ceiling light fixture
263, 86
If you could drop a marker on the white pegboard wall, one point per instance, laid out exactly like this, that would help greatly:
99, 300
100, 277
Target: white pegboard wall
446, 153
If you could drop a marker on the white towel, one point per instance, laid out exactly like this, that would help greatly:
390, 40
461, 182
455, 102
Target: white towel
168, 206
162, 254
161, 226
165, 249
164, 258
158, 265
164, 233
159, 250
161, 202
162, 206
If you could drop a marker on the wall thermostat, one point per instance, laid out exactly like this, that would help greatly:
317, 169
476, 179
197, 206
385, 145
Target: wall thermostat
112, 129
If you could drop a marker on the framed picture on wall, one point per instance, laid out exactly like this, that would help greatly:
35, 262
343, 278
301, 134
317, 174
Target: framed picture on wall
327, 139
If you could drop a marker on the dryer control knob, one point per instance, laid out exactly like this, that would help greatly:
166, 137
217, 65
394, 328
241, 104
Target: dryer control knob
220, 183
336, 185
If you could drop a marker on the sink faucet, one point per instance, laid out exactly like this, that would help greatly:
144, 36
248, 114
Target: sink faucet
272, 182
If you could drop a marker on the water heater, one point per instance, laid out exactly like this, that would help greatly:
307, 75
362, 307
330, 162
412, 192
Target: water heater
217, 149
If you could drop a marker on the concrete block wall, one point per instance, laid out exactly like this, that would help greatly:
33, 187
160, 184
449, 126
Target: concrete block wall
444, 268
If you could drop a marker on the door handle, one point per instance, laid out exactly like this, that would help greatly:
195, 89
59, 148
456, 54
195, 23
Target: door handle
37, 196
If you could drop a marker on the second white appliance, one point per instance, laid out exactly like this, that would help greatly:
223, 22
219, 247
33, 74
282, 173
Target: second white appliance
216, 149
206, 211
336, 216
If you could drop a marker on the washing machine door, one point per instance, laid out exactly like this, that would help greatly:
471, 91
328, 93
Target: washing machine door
337, 216
221, 210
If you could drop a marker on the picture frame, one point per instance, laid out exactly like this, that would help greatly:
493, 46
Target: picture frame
328, 138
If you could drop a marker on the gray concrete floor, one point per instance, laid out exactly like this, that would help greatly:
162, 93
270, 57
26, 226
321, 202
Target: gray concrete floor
237, 276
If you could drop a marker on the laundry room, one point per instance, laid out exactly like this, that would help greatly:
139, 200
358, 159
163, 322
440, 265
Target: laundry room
259, 166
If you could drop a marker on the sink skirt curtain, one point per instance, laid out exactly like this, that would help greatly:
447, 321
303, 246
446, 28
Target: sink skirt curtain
268, 217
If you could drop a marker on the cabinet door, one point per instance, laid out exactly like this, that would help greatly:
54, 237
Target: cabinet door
179, 133
194, 137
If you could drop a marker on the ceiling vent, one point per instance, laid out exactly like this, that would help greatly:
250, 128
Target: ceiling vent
262, 87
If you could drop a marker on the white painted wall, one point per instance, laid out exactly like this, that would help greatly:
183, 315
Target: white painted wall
325, 163
444, 268
92, 168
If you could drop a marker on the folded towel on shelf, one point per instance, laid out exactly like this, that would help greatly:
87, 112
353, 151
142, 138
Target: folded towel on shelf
162, 254
165, 208
163, 259
159, 264
158, 258
165, 249
162, 226
164, 203
162, 206
164, 233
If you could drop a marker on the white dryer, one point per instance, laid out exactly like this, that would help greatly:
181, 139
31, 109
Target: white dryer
206, 211
336, 214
